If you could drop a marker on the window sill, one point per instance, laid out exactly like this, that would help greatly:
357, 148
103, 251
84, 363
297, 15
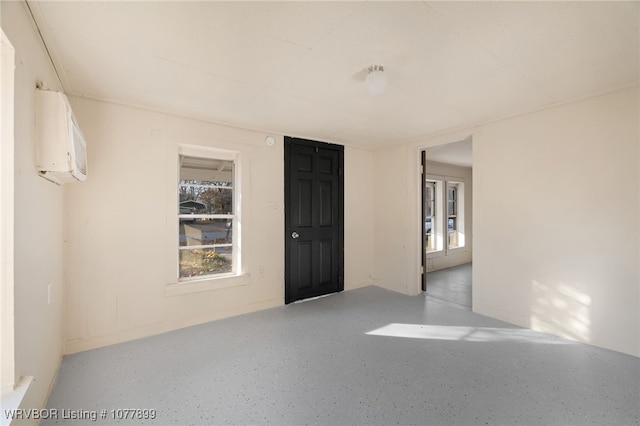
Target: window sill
448, 252
207, 284
454, 250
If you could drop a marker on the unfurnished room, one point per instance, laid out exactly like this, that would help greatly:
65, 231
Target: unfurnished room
320, 213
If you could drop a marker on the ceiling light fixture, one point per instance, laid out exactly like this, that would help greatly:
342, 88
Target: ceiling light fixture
376, 79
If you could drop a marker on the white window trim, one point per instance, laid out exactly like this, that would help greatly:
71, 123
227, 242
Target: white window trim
219, 281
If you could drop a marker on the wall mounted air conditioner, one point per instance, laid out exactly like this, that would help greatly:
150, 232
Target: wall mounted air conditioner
61, 148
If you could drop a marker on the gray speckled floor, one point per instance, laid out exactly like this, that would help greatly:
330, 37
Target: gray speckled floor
452, 285
367, 356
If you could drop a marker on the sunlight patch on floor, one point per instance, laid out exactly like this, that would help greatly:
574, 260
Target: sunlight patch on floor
466, 334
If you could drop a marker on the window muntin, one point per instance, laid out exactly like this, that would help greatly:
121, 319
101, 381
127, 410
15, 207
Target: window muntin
206, 217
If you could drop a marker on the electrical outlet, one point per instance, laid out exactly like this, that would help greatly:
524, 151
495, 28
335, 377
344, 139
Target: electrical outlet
261, 271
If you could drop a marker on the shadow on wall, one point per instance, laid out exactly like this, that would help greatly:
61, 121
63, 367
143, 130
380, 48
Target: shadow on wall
562, 309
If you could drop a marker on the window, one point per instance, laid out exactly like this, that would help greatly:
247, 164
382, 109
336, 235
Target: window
207, 217
443, 214
430, 214
452, 214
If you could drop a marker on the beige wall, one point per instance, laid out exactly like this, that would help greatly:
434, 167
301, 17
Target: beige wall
555, 215
458, 256
392, 209
557, 221
38, 215
121, 226
358, 221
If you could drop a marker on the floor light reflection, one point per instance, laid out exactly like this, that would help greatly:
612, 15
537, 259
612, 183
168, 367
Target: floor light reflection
466, 334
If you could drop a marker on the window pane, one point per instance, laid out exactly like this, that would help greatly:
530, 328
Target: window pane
451, 193
206, 186
204, 261
430, 242
428, 227
205, 170
453, 232
203, 200
429, 192
199, 232
429, 209
452, 208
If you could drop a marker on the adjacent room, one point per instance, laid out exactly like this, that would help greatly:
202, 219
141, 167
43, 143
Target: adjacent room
356, 212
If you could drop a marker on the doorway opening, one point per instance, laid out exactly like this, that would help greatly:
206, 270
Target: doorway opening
447, 218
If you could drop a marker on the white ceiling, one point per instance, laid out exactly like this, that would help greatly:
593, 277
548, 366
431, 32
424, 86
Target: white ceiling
457, 153
298, 68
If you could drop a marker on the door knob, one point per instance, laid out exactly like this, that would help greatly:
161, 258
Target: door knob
294, 235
